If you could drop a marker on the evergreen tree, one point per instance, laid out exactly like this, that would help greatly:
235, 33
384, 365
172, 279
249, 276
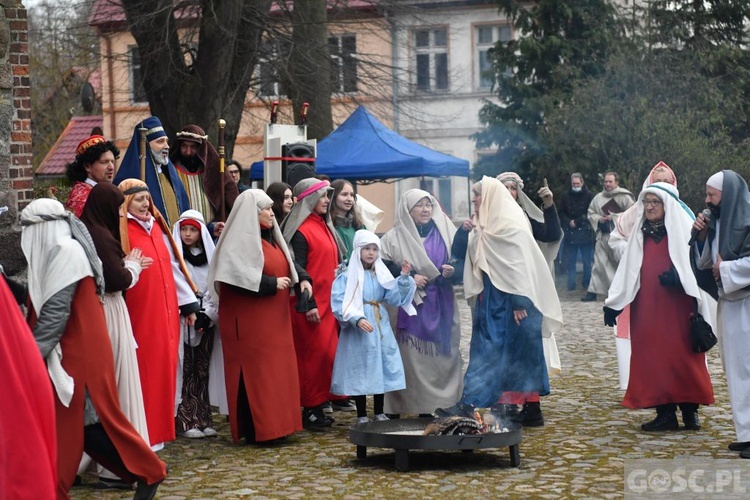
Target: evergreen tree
593, 90
712, 35
697, 23
646, 108
559, 43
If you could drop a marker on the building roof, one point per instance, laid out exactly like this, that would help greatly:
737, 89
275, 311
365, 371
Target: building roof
110, 12
64, 149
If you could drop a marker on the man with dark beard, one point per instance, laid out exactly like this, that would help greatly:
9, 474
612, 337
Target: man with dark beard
721, 262
197, 164
166, 189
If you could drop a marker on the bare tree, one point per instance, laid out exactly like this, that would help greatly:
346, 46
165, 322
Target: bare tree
198, 59
205, 81
310, 65
63, 54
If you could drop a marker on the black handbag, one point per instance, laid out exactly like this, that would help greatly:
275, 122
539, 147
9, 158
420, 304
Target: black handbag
702, 337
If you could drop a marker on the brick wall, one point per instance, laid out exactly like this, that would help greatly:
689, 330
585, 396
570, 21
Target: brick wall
15, 127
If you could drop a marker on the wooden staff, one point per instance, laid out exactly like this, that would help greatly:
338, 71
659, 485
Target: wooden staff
142, 151
274, 112
222, 155
303, 114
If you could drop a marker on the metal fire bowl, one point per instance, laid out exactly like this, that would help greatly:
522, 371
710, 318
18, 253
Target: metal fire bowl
384, 435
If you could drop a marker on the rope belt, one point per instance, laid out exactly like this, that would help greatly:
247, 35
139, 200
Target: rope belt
376, 311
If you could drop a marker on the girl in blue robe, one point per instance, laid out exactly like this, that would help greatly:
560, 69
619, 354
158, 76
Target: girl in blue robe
368, 360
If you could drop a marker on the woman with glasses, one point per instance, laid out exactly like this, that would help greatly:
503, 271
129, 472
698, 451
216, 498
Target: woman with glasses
655, 278
624, 227
234, 168
428, 341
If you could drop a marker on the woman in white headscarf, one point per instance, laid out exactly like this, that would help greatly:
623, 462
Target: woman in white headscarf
655, 278
252, 273
625, 223
429, 341
367, 357
545, 226
514, 294
68, 323
545, 223
317, 249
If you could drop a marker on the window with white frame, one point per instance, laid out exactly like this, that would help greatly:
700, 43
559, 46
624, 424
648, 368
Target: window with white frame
485, 38
440, 188
343, 51
431, 50
137, 92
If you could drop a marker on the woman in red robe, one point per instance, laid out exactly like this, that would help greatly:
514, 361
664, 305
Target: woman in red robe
67, 319
655, 278
256, 330
164, 291
312, 238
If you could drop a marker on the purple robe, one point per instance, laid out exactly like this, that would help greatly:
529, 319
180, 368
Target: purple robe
430, 330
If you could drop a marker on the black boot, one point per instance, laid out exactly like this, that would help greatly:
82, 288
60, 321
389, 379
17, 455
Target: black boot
665, 420
313, 419
739, 446
459, 409
690, 416
530, 415
589, 297
505, 411
145, 491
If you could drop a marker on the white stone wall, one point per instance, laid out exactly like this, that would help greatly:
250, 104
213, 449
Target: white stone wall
443, 121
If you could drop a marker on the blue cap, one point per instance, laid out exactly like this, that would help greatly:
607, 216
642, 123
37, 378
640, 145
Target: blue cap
154, 128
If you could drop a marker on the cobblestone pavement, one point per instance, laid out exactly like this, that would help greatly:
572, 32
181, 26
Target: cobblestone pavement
579, 452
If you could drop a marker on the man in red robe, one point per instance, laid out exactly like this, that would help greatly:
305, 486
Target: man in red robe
94, 163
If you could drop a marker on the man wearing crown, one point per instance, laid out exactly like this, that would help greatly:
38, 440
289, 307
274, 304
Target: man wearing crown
94, 163
197, 164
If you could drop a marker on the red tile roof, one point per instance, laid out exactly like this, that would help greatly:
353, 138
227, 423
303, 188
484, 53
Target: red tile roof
106, 11
64, 149
110, 12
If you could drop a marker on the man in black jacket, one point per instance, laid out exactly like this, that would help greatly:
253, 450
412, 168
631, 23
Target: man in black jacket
579, 238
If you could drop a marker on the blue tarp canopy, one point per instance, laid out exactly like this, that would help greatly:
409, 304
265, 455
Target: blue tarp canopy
362, 148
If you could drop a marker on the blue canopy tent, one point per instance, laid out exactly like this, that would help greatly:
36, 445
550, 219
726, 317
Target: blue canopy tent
363, 149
